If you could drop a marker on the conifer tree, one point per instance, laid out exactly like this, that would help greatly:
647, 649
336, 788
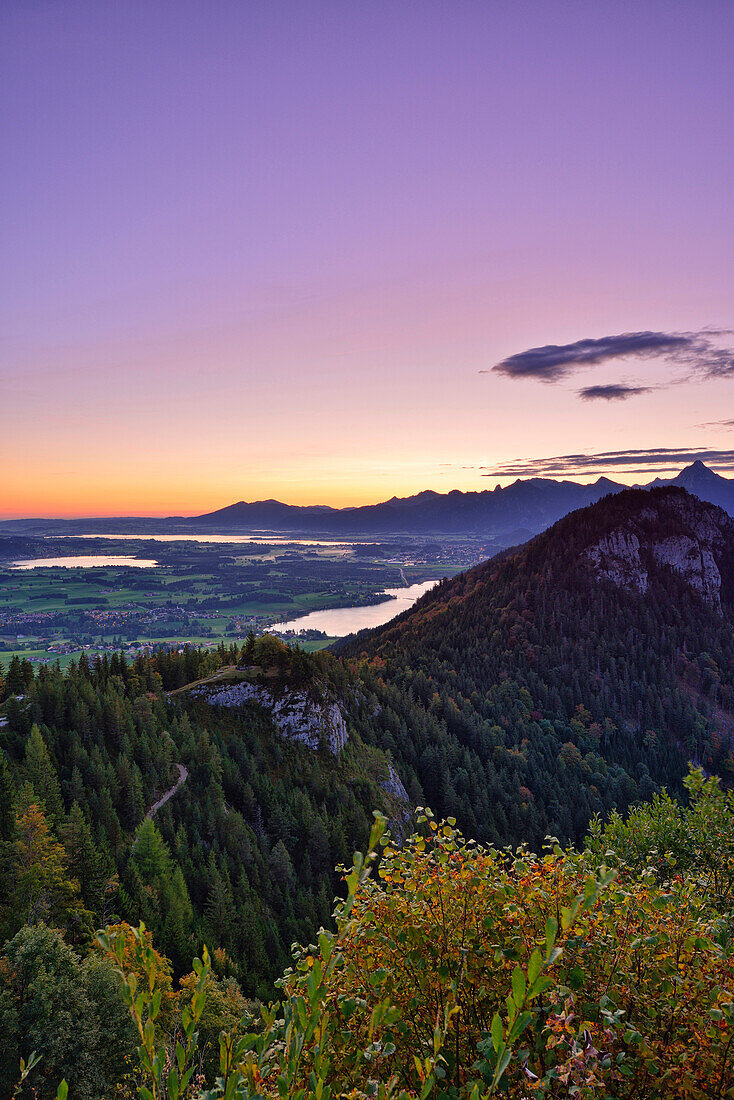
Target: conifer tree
39, 771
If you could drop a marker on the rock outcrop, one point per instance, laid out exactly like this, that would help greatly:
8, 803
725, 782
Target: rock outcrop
694, 561
617, 557
400, 815
680, 533
295, 714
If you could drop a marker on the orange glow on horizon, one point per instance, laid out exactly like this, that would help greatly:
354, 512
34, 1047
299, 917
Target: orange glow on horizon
102, 497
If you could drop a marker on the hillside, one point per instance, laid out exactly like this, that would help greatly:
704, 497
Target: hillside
213, 803
575, 674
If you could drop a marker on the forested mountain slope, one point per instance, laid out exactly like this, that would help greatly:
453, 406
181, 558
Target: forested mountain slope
576, 673
267, 801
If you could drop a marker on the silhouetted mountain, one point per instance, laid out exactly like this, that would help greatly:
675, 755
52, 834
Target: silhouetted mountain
262, 513
520, 509
514, 513
705, 484
509, 515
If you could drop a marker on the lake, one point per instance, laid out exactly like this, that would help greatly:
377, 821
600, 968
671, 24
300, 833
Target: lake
340, 621
85, 561
263, 539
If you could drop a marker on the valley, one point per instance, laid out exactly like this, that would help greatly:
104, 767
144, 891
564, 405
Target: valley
204, 579
198, 592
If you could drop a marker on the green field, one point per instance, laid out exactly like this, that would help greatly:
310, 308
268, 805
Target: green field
199, 593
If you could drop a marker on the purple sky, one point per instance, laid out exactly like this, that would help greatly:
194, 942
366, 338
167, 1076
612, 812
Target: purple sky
266, 249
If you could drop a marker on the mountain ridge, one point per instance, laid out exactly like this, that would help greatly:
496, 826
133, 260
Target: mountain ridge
524, 507
509, 515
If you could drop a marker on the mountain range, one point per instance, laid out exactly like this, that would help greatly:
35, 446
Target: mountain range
517, 511
508, 516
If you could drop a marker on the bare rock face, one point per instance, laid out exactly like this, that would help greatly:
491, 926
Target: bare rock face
676, 531
617, 557
296, 716
695, 562
399, 819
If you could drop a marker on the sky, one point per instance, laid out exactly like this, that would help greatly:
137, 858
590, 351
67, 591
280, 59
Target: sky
329, 252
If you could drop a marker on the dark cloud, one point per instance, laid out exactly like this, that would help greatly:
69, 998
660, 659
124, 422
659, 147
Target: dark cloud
612, 392
554, 361
630, 462
696, 352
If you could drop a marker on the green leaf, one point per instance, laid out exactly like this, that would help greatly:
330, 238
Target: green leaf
428, 1086
172, 1085
497, 1032
539, 986
519, 1026
534, 966
518, 987
502, 1063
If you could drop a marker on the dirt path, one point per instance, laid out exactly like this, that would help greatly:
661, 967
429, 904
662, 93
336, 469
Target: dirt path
182, 777
221, 673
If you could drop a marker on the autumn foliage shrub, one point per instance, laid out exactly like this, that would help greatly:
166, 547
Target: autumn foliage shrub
462, 971
443, 951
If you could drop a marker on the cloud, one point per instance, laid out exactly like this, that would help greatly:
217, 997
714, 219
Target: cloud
612, 392
696, 352
727, 425
629, 462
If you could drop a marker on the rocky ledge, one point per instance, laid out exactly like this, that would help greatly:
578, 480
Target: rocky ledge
295, 714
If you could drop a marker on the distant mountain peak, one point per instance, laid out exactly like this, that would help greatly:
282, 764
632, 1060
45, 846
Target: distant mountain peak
510, 514
699, 471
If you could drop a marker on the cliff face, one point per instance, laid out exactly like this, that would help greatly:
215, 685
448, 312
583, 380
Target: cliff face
295, 714
617, 557
676, 531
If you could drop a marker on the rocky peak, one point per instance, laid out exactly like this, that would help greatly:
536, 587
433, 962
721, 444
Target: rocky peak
673, 530
697, 475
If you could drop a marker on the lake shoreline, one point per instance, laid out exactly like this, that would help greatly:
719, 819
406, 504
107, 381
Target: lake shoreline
340, 621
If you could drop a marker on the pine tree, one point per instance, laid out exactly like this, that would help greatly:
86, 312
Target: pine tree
84, 861
39, 771
7, 798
